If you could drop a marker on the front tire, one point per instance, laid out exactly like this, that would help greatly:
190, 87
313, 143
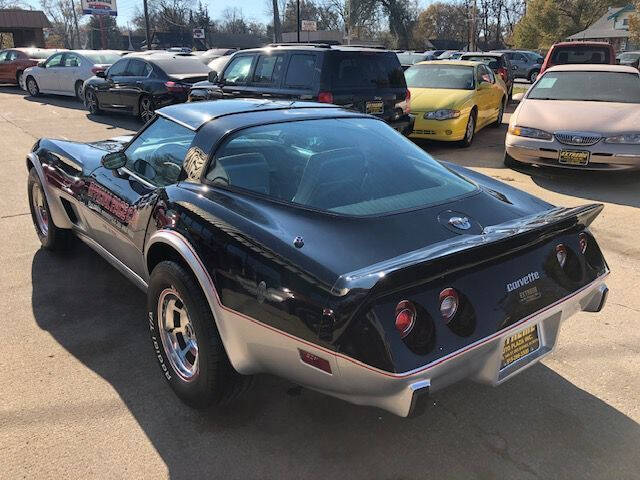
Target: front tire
91, 102
186, 341
511, 162
533, 76
32, 87
19, 76
50, 236
470, 131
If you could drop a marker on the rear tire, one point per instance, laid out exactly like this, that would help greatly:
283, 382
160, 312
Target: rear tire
32, 87
50, 236
186, 341
498, 122
470, 131
19, 76
78, 90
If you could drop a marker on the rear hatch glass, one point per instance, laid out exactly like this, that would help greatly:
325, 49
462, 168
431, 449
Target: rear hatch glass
580, 54
371, 82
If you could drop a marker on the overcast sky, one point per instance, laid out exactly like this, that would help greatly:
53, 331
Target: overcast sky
252, 9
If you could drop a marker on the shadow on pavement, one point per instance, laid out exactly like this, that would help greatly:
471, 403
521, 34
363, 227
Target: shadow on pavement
538, 425
612, 187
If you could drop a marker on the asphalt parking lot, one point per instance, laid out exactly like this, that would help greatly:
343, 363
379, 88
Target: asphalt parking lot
81, 395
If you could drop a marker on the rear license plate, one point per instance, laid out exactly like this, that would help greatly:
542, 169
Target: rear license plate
574, 157
517, 346
374, 108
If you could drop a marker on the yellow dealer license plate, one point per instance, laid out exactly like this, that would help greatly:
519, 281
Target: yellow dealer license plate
375, 108
574, 157
517, 346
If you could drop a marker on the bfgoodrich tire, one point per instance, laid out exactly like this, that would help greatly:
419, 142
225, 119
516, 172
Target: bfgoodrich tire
186, 341
50, 236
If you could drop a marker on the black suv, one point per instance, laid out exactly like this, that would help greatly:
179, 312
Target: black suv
363, 79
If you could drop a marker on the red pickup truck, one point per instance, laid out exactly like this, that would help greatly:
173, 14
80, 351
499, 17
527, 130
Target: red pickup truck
579, 52
14, 61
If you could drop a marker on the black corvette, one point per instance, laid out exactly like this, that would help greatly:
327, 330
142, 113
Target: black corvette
318, 244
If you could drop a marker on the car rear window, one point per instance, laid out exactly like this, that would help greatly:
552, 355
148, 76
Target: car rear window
580, 54
177, 64
456, 77
366, 70
351, 166
588, 86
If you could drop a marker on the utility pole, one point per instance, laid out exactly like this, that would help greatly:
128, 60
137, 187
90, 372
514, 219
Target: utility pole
146, 24
298, 18
75, 21
474, 47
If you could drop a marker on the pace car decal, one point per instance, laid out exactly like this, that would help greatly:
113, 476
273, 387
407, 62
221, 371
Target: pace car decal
111, 203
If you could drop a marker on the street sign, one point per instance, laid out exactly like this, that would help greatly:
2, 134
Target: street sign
198, 33
100, 7
308, 25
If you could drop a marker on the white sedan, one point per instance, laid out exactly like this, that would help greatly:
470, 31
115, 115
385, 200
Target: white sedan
63, 73
578, 116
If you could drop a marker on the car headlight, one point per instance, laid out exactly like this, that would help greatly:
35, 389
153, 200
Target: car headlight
444, 114
629, 139
530, 133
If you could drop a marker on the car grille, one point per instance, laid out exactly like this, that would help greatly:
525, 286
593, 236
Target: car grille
578, 138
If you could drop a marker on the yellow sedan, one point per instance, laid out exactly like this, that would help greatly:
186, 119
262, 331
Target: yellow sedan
452, 100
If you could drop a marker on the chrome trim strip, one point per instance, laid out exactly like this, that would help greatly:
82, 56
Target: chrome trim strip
104, 253
169, 117
139, 178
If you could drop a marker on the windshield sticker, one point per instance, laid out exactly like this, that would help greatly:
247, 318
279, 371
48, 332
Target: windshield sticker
547, 82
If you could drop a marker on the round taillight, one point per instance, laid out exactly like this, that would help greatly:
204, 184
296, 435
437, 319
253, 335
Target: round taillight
448, 304
561, 255
405, 317
582, 241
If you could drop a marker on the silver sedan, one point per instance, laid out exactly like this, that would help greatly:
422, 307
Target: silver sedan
579, 116
64, 73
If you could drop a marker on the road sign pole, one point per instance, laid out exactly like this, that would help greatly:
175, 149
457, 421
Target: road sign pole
298, 19
146, 24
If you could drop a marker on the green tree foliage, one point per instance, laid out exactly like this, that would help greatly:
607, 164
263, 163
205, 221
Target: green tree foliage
550, 21
111, 32
441, 20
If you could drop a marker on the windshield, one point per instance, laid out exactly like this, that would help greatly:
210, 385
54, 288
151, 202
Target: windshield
588, 86
455, 77
626, 57
103, 58
353, 166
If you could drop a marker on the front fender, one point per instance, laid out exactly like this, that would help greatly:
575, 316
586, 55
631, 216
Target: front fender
58, 214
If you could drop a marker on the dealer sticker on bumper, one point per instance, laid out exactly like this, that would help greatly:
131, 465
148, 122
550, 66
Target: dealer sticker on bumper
574, 157
517, 346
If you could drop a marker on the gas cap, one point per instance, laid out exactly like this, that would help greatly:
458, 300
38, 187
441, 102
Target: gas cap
459, 222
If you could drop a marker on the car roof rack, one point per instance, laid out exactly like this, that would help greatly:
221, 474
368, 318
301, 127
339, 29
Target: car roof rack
300, 44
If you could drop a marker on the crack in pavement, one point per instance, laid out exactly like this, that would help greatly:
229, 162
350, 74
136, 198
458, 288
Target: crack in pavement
23, 130
14, 215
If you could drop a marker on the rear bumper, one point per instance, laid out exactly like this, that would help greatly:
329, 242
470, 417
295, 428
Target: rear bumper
602, 156
402, 393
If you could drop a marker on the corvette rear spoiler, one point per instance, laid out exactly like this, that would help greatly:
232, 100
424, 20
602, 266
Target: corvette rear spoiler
494, 241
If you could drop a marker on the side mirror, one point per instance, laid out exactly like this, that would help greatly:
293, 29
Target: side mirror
517, 97
213, 76
114, 160
486, 79
101, 74
42, 64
